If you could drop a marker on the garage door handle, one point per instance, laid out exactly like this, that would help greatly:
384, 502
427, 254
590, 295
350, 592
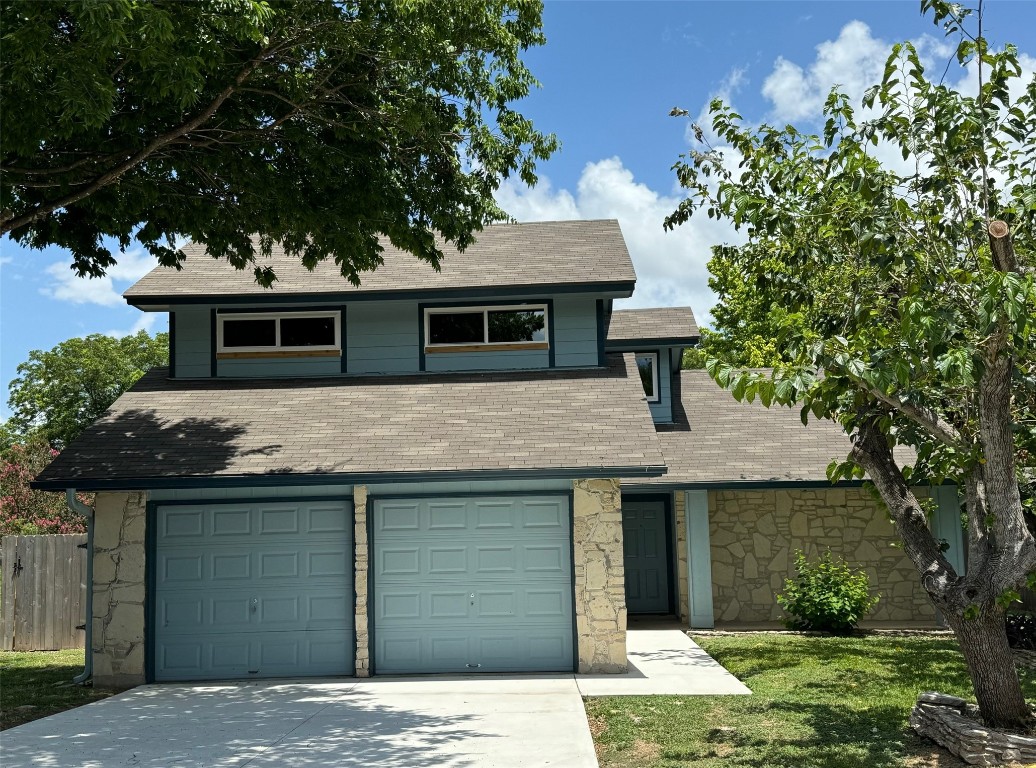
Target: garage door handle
255, 603
472, 666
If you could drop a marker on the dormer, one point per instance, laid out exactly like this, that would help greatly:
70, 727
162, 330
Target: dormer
657, 337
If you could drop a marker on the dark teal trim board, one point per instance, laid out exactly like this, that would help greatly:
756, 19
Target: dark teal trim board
172, 345
371, 644
150, 547
213, 367
334, 478
518, 292
632, 345
602, 332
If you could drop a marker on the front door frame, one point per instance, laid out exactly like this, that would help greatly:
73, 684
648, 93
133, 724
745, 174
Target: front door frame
667, 505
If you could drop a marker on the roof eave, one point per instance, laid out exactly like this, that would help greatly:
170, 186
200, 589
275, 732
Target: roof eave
341, 478
657, 341
160, 302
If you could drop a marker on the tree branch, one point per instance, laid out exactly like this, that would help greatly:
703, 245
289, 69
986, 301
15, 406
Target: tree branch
871, 450
942, 430
9, 222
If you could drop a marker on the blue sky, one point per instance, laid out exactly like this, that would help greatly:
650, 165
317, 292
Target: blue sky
611, 71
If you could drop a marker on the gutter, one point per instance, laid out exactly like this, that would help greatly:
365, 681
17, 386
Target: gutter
88, 627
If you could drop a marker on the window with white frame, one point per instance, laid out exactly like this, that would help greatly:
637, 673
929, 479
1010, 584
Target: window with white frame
521, 326
647, 364
259, 332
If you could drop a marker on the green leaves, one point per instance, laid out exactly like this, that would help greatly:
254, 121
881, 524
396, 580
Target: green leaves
826, 595
878, 281
319, 125
59, 392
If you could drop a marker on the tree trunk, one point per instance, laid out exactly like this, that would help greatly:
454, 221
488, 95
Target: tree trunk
983, 641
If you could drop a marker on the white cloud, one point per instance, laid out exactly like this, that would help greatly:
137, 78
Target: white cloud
4, 260
853, 62
670, 266
68, 286
145, 322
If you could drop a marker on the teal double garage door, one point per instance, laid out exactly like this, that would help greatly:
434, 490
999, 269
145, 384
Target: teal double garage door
460, 584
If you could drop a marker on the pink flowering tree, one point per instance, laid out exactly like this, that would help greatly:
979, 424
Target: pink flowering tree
24, 511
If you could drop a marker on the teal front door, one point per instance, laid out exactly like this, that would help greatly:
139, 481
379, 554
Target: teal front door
646, 556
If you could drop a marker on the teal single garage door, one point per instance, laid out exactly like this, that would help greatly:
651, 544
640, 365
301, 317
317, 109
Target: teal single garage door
252, 590
472, 584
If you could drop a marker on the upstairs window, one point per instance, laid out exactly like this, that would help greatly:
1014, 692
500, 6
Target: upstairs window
647, 364
281, 335
472, 329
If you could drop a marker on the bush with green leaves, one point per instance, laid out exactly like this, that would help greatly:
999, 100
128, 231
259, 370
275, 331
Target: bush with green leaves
827, 595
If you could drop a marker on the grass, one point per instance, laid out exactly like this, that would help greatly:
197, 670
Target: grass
35, 684
818, 702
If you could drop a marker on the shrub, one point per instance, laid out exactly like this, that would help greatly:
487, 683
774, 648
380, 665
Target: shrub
24, 511
827, 595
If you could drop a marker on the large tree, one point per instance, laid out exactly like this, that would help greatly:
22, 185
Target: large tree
930, 340
59, 392
746, 322
320, 124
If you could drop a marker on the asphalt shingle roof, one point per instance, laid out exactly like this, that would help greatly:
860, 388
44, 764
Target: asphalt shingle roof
580, 422
716, 439
504, 255
668, 323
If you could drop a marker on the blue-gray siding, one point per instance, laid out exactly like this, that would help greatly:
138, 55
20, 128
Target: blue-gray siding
575, 332
662, 411
193, 344
384, 337
285, 366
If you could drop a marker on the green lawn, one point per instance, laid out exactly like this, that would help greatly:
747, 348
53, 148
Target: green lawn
818, 702
34, 685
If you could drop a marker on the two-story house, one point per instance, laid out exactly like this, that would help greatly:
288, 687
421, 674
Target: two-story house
486, 468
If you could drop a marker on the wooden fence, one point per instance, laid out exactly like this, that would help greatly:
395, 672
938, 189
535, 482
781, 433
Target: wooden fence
43, 592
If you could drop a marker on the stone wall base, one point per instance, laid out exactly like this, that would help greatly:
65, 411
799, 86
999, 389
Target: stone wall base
118, 590
600, 585
954, 724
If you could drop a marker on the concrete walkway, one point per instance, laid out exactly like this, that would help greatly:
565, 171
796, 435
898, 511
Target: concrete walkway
482, 721
664, 662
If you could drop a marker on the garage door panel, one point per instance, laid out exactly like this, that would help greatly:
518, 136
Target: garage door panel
485, 562
253, 590
474, 583
231, 522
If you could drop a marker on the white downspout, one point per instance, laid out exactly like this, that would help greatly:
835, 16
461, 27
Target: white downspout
77, 506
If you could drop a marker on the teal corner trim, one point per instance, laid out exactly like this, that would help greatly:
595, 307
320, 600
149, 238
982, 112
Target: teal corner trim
946, 524
150, 547
699, 560
172, 345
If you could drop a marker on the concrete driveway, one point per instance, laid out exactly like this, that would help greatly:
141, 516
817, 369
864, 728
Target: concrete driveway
403, 723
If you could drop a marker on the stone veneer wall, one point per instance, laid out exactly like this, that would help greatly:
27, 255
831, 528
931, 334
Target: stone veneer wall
118, 589
683, 585
363, 663
754, 535
600, 590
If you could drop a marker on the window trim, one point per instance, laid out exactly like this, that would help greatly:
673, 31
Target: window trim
485, 345
279, 350
656, 379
